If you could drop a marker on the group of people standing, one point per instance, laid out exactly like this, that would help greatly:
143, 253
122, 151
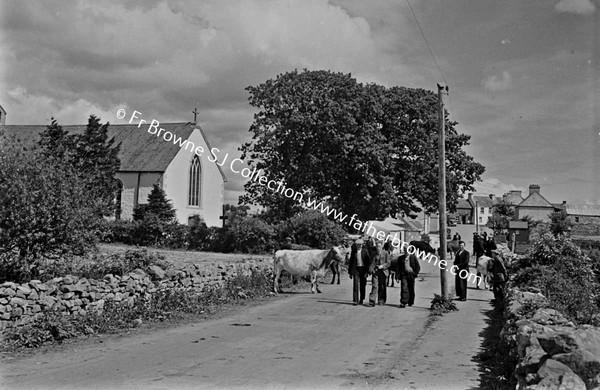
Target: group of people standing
376, 260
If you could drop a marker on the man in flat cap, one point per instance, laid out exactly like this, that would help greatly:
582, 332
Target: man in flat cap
499, 276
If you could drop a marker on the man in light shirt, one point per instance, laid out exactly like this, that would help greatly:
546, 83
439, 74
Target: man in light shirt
358, 270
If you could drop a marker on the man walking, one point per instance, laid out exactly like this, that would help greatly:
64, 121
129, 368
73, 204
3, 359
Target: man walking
499, 276
408, 270
461, 261
358, 269
379, 271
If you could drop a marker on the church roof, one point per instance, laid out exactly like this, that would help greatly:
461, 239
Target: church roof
140, 151
535, 200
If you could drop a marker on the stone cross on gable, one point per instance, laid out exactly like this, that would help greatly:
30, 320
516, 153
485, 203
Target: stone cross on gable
195, 112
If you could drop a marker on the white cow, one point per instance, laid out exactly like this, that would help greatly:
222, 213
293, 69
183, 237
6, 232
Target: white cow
482, 268
306, 262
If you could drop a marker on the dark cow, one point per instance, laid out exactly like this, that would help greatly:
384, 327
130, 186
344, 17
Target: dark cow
393, 269
303, 263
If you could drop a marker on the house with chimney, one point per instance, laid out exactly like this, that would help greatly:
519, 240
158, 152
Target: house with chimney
482, 207
194, 184
536, 206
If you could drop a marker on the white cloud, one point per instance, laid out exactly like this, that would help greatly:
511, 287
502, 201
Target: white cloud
581, 7
492, 185
505, 41
497, 83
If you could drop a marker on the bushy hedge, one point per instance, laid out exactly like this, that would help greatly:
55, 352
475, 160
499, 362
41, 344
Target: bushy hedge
244, 234
565, 275
312, 228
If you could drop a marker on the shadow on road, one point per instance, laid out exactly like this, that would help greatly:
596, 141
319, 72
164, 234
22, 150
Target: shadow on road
335, 301
495, 369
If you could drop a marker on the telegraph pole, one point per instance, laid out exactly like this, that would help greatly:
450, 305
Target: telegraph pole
442, 186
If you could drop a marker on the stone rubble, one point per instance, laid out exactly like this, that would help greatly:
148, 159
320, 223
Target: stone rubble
551, 351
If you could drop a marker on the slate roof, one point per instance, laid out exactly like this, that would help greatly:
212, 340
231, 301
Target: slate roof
483, 201
140, 151
583, 210
535, 200
513, 198
463, 204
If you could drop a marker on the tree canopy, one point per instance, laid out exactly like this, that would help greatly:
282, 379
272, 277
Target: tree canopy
502, 213
364, 149
92, 154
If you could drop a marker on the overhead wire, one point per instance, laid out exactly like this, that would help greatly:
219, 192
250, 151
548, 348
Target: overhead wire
430, 50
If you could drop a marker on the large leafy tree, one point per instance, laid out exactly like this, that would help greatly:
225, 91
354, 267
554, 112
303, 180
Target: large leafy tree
363, 149
92, 154
502, 213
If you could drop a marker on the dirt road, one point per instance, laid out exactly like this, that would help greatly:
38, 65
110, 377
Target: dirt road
307, 341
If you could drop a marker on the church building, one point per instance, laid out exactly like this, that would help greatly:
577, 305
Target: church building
194, 185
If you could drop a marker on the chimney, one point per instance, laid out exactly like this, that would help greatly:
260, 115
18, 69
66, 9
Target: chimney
492, 196
534, 188
470, 196
2, 116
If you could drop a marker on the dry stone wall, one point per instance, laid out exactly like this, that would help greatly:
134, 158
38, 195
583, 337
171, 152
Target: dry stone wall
23, 303
552, 353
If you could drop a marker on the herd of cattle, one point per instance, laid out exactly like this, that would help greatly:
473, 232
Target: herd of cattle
315, 262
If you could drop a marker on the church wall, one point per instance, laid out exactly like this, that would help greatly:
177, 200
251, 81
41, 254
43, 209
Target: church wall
176, 178
130, 181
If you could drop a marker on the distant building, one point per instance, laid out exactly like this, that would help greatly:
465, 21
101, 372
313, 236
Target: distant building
586, 219
482, 207
192, 183
536, 206
464, 209
513, 197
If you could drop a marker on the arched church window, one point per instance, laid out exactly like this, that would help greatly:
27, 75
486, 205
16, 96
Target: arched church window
195, 183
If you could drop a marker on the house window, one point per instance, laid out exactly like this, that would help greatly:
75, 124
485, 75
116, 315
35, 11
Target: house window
480, 219
195, 183
577, 219
482, 210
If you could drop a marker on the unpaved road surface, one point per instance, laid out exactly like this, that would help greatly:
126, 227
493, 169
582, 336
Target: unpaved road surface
318, 341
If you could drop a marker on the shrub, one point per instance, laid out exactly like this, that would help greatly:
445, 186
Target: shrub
250, 235
548, 249
565, 275
44, 209
441, 305
118, 231
312, 228
199, 233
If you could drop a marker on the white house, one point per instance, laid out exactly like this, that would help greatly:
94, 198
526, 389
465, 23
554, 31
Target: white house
193, 183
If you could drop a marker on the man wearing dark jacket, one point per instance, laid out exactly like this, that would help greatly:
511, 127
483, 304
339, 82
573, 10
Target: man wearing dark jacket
461, 261
358, 270
408, 270
380, 263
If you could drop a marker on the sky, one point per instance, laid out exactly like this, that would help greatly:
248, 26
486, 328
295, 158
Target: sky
523, 76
